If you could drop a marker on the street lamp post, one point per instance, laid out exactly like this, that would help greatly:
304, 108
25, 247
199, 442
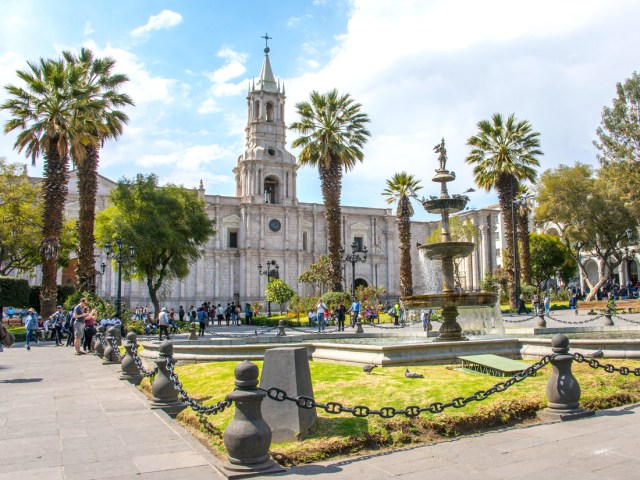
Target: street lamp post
120, 257
270, 272
354, 257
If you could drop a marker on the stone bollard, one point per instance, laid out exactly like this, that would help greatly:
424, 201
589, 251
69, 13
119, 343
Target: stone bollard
563, 390
541, 322
130, 371
165, 396
118, 335
192, 331
281, 332
359, 326
608, 321
109, 353
248, 437
98, 347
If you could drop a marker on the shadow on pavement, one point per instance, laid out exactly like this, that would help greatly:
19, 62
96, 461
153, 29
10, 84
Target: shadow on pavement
22, 380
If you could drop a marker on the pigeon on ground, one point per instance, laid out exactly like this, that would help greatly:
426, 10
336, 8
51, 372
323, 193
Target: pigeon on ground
409, 374
367, 368
597, 354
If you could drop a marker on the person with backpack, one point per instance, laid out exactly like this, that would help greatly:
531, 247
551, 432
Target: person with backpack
202, 321
56, 322
163, 322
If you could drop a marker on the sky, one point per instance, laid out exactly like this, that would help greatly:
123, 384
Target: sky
422, 70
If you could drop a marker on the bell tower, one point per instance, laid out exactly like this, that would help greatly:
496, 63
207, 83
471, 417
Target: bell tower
266, 171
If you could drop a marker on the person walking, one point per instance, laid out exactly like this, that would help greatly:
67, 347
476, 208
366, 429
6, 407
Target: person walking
354, 310
202, 321
68, 328
547, 303
536, 303
320, 309
78, 324
163, 323
57, 322
181, 313
31, 324
341, 313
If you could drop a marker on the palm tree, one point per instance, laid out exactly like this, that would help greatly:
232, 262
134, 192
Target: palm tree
45, 114
522, 220
399, 188
504, 154
332, 134
99, 88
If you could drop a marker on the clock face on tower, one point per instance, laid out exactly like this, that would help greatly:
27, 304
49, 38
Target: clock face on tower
274, 225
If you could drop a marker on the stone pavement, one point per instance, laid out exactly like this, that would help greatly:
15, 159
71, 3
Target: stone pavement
68, 417
64, 416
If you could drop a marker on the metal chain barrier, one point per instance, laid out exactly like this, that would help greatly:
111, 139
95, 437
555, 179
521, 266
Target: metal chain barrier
188, 400
136, 358
607, 367
579, 322
116, 349
411, 411
626, 319
522, 320
103, 342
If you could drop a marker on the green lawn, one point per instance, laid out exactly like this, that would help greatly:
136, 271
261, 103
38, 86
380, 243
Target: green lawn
344, 434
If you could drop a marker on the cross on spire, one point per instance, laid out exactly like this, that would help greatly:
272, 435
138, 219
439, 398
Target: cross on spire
266, 39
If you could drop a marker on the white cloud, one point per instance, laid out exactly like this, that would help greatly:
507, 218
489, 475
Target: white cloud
88, 29
220, 79
293, 22
164, 20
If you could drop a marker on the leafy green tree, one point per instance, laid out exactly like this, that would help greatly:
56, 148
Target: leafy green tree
302, 305
46, 115
317, 275
168, 226
278, 291
370, 295
503, 154
549, 258
589, 217
99, 86
399, 188
332, 134
619, 131
489, 284
622, 179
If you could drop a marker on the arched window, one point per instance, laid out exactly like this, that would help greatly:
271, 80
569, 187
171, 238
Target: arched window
256, 109
270, 190
269, 112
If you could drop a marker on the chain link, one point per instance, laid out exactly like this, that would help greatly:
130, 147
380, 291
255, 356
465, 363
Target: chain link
607, 367
506, 320
138, 362
190, 401
116, 349
410, 411
103, 342
579, 322
626, 319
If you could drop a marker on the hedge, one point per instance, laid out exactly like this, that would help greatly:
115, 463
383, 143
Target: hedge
14, 292
64, 291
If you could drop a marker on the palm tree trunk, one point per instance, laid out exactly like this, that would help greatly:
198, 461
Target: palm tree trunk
523, 244
331, 179
404, 230
87, 188
54, 195
506, 188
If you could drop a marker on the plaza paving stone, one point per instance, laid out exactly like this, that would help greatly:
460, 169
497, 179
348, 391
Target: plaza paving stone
69, 417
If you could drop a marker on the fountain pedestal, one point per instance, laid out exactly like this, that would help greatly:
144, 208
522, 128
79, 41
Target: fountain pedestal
450, 331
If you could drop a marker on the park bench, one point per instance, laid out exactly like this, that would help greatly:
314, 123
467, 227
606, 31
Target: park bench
14, 322
493, 365
601, 305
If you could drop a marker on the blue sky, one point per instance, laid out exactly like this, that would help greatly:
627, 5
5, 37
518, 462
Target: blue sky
422, 70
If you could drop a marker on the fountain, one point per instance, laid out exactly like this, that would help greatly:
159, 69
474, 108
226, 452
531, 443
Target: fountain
447, 251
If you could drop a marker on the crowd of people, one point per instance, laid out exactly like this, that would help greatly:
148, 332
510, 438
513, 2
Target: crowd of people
323, 316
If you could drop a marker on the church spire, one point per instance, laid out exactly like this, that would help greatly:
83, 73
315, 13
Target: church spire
267, 81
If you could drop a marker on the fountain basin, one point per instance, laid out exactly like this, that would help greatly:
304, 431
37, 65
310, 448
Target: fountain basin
442, 205
448, 300
438, 251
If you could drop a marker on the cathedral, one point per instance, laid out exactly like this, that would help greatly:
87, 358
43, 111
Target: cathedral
265, 222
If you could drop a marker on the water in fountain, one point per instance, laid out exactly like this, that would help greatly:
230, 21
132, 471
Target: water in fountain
431, 274
481, 321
